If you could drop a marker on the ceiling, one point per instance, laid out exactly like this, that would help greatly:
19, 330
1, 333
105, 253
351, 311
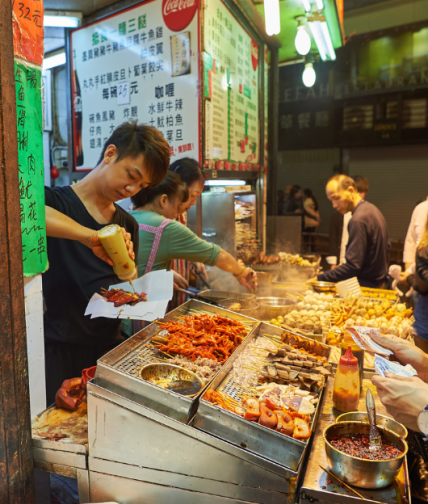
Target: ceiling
289, 9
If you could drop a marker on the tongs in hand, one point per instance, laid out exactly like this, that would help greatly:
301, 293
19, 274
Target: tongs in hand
375, 439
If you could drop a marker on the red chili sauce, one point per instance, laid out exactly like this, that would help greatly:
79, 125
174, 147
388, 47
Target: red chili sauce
357, 445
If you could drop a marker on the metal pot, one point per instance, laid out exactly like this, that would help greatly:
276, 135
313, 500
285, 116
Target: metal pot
372, 474
273, 307
218, 295
381, 421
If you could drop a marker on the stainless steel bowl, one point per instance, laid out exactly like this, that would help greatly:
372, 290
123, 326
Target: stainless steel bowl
168, 373
273, 307
372, 474
323, 286
381, 421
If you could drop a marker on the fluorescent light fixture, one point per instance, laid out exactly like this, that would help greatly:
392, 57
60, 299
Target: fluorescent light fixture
320, 5
61, 21
309, 76
218, 182
54, 61
327, 38
319, 39
307, 5
302, 41
272, 19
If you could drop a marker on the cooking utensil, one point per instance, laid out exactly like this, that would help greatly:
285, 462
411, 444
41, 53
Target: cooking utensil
357, 471
381, 421
218, 296
375, 439
200, 276
198, 296
174, 378
342, 482
273, 307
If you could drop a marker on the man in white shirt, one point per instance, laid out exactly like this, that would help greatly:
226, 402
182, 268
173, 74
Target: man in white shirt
362, 187
414, 233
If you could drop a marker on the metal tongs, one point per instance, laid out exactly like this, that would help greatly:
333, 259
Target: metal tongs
375, 439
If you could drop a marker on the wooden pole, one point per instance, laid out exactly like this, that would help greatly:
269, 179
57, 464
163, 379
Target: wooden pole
16, 455
273, 118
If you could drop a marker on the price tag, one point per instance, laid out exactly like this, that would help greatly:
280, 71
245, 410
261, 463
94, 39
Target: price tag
123, 93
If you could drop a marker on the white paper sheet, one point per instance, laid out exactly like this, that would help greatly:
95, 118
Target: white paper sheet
158, 285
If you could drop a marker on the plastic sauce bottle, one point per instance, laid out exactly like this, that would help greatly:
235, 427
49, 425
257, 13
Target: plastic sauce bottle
112, 240
346, 391
356, 351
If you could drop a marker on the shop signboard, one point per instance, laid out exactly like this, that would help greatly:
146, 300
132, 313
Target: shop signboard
139, 64
30, 166
231, 66
27, 21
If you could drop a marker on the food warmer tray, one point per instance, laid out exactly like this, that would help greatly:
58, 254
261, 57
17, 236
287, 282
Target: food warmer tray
267, 443
118, 370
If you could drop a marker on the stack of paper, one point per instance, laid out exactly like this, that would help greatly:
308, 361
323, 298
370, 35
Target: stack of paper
158, 285
349, 288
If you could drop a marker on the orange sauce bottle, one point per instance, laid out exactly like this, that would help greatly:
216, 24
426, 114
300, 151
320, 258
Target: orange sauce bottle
346, 390
356, 351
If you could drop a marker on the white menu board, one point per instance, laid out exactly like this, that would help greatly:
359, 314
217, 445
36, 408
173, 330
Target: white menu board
231, 64
142, 64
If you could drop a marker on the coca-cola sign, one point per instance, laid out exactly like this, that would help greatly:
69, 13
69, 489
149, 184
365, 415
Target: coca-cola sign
254, 54
178, 14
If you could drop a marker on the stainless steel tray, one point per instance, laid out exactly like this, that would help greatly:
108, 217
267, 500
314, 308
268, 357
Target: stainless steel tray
118, 371
283, 450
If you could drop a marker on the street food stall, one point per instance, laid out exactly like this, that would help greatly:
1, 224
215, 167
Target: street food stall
146, 438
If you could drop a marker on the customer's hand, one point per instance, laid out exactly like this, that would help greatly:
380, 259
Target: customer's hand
405, 352
404, 398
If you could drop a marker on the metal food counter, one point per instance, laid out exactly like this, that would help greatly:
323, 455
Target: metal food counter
318, 486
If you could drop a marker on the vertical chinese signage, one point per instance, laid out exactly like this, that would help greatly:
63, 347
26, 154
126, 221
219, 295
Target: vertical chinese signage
231, 61
140, 64
28, 47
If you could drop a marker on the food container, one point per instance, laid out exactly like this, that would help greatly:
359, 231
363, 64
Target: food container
112, 240
381, 421
269, 444
245, 307
372, 474
273, 307
323, 286
218, 295
171, 373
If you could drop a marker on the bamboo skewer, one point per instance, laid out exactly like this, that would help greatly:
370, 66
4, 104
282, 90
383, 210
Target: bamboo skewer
342, 482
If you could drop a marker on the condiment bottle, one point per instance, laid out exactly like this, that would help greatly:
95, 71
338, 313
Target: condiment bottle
357, 352
112, 240
346, 391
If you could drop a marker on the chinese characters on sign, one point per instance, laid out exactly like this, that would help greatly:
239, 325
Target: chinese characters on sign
27, 22
131, 66
30, 165
231, 61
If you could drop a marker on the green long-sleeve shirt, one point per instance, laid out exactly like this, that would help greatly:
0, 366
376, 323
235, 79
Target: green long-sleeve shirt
177, 242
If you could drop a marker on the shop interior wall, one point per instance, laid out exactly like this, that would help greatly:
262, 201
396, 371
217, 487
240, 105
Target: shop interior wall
310, 169
398, 178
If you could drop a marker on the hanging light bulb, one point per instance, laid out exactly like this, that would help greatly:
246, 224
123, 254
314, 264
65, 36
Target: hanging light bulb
302, 41
309, 76
272, 19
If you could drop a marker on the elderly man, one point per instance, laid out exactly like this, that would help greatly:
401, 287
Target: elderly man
367, 249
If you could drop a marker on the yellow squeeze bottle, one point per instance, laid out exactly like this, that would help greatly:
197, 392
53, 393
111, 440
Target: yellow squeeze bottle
112, 240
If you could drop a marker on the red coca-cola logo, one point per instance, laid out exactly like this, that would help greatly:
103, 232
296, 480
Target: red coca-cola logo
254, 54
178, 14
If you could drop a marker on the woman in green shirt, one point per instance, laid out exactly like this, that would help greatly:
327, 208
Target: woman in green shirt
163, 239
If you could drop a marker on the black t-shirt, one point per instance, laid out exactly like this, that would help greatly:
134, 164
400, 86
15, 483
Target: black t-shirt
75, 274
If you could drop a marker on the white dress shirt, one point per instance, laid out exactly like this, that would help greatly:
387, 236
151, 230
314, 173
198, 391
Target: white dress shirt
345, 237
415, 231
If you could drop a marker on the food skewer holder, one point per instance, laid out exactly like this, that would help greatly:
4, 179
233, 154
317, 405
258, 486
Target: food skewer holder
270, 444
119, 370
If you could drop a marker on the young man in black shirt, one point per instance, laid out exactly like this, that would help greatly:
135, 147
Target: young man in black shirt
135, 156
368, 244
